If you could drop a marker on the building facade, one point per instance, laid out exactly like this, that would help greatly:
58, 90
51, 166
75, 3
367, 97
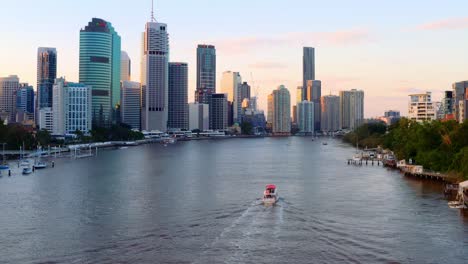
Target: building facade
8, 89
155, 77
308, 68
313, 94
46, 74
125, 67
241, 93
100, 69
206, 72
72, 107
330, 113
25, 101
351, 109
46, 119
459, 95
421, 108
305, 116
448, 103
279, 108
229, 83
199, 116
218, 111
130, 108
178, 96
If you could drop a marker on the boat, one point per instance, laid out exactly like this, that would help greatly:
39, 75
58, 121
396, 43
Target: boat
40, 165
390, 161
324, 143
270, 195
27, 171
463, 193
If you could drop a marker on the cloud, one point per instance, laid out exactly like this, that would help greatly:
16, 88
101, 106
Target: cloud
268, 65
445, 24
252, 43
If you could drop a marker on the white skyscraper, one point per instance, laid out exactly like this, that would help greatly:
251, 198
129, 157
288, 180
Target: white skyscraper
71, 107
351, 109
125, 67
155, 76
305, 116
279, 107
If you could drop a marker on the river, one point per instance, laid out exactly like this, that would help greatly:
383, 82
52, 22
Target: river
198, 202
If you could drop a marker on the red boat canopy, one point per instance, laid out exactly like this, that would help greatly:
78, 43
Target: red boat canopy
271, 186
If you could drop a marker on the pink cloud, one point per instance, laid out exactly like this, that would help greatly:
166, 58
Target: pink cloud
342, 37
268, 65
450, 23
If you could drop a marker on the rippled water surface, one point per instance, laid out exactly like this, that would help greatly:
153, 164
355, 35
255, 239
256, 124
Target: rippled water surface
198, 202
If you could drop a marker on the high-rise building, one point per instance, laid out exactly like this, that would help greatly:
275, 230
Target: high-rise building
199, 116
218, 111
206, 67
330, 113
155, 76
72, 104
421, 108
130, 107
178, 95
299, 93
313, 94
241, 93
279, 111
459, 97
448, 103
125, 67
229, 82
351, 109
46, 74
392, 113
25, 99
305, 116
253, 103
100, 69
270, 109
308, 68
8, 88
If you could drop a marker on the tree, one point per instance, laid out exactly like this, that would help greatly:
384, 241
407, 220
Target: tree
43, 137
247, 128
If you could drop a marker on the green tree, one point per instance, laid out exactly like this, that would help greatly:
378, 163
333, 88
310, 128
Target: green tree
247, 128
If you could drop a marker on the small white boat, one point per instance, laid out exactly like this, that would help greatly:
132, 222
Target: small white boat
40, 165
25, 163
270, 195
27, 171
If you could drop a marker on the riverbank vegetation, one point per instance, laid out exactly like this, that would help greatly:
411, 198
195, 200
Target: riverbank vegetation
16, 136
439, 146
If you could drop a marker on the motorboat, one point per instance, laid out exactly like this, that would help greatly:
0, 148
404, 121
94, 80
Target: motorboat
324, 143
357, 157
270, 195
27, 171
24, 163
4, 167
40, 165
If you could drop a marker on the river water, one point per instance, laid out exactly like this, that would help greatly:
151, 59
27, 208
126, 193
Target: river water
198, 202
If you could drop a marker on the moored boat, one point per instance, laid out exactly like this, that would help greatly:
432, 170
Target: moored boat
27, 171
40, 165
270, 195
463, 193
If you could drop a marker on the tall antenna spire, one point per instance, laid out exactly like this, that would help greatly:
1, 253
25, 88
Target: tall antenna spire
152, 11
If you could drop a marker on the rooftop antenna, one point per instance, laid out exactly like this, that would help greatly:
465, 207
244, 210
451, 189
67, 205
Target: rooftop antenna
152, 11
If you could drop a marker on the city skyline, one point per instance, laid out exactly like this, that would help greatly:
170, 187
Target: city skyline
388, 59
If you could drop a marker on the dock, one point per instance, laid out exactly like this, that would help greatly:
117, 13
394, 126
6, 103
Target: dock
428, 175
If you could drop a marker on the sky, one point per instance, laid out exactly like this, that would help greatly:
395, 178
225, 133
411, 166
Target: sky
389, 49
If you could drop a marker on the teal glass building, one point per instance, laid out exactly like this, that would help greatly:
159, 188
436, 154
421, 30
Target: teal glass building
100, 48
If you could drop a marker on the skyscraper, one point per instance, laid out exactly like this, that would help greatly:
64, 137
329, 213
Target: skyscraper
351, 109
313, 94
199, 117
155, 76
229, 82
305, 116
8, 88
130, 108
25, 99
218, 111
330, 113
241, 93
178, 95
308, 68
206, 67
46, 74
299, 92
279, 107
421, 108
125, 67
71, 109
100, 69
459, 98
